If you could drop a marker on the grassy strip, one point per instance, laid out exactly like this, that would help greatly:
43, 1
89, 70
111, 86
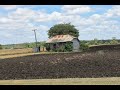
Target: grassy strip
14, 51
29, 53
64, 81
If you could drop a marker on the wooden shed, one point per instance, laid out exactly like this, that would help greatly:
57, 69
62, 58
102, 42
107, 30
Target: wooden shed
59, 40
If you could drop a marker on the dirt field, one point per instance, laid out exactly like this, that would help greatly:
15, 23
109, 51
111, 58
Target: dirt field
62, 65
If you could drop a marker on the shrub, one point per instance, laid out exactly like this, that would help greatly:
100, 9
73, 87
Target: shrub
84, 47
0, 46
47, 47
68, 46
60, 49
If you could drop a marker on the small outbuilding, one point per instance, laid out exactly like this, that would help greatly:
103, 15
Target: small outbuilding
60, 40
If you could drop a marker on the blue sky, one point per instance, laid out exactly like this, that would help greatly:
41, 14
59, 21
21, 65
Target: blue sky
92, 21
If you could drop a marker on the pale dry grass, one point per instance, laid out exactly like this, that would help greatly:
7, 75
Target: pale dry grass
9, 53
15, 51
64, 81
16, 55
24, 54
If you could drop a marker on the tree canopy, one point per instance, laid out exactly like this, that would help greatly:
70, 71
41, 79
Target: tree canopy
63, 29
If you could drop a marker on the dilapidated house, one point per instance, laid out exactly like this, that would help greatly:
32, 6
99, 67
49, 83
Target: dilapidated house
60, 40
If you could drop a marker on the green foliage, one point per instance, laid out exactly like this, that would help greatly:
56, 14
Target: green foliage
66, 47
113, 41
24, 45
61, 49
42, 44
0, 46
101, 42
84, 46
47, 47
94, 42
63, 29
106, 43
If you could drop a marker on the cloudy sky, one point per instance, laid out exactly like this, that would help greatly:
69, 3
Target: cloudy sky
92, 21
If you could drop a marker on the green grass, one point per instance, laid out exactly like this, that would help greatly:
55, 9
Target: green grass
64, 81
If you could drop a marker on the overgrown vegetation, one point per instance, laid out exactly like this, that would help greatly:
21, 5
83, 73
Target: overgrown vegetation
101, 42
47, 47
0, 46
63, 29
66, 47
84, 44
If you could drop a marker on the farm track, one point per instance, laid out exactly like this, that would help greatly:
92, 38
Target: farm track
62, 65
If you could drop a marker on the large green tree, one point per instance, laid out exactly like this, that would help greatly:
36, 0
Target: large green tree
62, 29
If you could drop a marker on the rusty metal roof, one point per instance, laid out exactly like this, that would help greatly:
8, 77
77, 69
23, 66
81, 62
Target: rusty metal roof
61, 38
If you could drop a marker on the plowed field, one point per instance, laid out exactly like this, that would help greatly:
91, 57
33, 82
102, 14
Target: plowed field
62, 65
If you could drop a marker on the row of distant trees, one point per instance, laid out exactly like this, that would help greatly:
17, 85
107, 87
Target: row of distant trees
100, 42
83, 44
86, 44
23, 45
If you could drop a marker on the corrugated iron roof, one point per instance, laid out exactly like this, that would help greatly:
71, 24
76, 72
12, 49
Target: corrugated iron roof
61, 38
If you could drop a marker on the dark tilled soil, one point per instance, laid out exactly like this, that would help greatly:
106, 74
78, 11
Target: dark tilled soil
71, 65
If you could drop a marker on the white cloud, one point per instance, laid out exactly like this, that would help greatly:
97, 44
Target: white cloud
5, 20
55, 16
7, 35
113, 12
21, 14
76, 9
95, 16
20, 19
8, 7
45, 17
41, 17
42, 27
